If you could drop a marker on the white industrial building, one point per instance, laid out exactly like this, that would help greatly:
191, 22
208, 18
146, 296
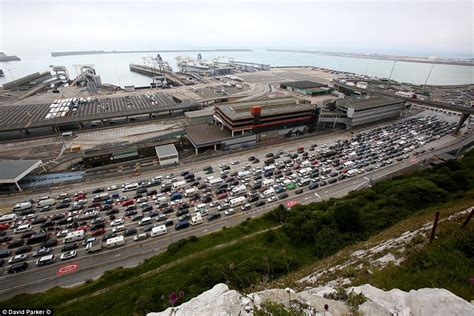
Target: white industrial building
167, 154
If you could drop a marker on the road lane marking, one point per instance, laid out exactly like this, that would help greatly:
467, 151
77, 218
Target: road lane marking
68, 268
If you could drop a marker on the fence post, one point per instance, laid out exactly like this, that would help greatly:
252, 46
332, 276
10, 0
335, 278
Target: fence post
468, 218
433, 230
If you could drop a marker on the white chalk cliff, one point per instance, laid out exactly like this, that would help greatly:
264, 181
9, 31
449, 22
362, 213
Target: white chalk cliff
220, 300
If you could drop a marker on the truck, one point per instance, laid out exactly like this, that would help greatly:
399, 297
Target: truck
158, 231
93, 246
115, 242
196, 219
74, 236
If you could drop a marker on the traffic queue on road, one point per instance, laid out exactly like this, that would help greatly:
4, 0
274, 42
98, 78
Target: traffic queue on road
54, 229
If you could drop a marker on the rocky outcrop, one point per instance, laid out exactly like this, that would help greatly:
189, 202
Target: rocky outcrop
422, 302
220, 300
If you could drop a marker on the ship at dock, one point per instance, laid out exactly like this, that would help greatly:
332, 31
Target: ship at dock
4, 57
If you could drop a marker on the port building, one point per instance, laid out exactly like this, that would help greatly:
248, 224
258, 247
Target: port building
305, 87
241, 124
366, 111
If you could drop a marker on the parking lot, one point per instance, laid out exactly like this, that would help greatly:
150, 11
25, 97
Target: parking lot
73, 110
168, 203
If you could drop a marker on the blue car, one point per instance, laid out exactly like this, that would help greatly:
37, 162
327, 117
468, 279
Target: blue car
181, 225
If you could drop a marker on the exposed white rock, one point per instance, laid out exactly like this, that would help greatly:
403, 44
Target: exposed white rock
422, 302
220, 300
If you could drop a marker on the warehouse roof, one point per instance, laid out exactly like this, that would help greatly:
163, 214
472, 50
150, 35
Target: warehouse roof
304, 84
12, 171
365, 104
205, 134
200, 113
166, 150
241, 110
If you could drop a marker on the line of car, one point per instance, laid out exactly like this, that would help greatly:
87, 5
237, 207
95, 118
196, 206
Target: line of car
193, 196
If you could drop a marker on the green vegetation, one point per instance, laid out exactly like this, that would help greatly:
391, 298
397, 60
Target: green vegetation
330, 225
250, 254
448, 263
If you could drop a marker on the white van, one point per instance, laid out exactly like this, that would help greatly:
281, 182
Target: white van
179, 185
158, 231
145, 221
23, 228
243, 174
215, 182
130, 187
74, 236
115, 242
352, 172
238, 201
48, 259
303, 172
67, 134
190, 192
269, 168
268, 182
8, 218
22, 206
47, 202
238, 190
197, 219
267, 193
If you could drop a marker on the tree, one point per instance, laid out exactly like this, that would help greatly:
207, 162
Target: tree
347, 217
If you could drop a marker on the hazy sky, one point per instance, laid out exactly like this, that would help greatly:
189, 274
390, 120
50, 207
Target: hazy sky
403, 26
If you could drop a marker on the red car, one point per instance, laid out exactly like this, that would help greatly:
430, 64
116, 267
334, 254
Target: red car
4, 227
98, 232
79, 197
222, 196
127, 202
84, 228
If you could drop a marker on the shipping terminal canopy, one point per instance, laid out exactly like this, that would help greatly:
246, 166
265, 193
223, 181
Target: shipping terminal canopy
12, 171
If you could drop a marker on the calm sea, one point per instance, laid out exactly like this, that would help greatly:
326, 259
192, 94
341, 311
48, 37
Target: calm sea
114, 68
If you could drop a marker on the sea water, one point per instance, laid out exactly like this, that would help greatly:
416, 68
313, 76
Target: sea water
114, 68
